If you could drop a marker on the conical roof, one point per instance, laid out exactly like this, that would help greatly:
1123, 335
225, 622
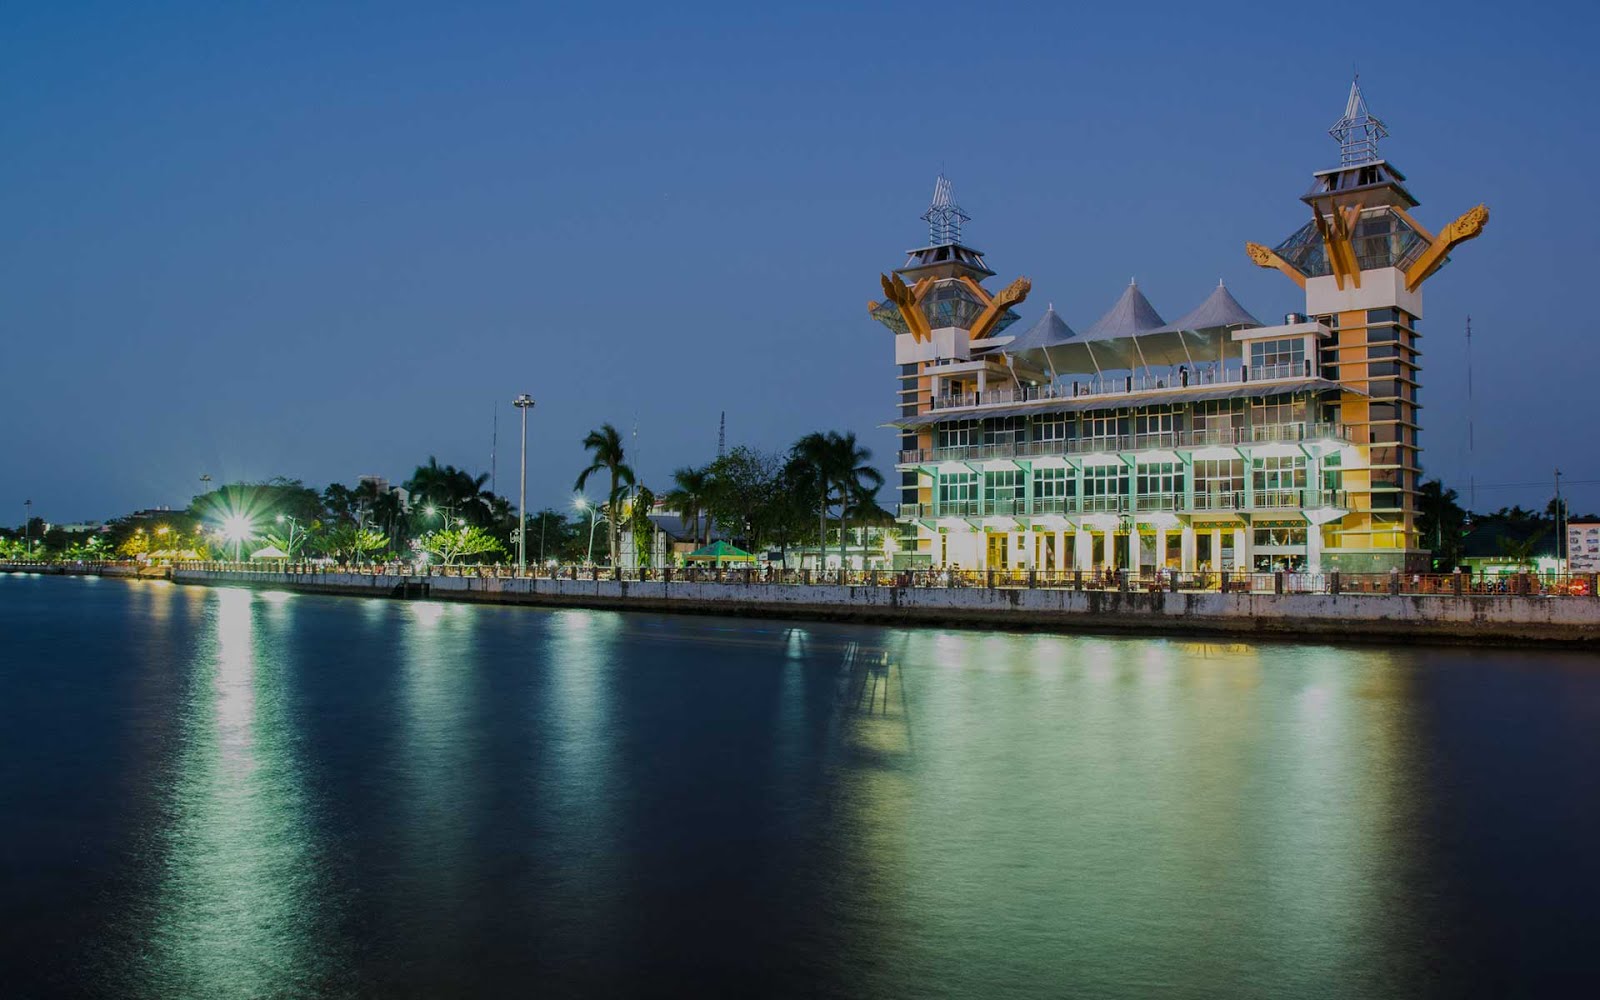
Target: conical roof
1219, 310
1049, 331
1133, 314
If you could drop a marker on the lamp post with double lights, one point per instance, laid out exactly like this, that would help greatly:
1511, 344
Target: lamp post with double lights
523, 402
293, 524
583, 504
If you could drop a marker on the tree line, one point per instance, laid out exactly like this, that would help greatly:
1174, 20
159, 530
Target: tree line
821, 489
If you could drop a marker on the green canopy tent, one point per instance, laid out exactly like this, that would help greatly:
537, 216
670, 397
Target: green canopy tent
720, 552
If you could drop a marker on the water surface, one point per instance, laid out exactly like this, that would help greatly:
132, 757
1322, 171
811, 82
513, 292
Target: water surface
221, 793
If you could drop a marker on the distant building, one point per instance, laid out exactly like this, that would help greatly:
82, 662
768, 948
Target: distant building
1583, 546
152, 514
1499, 546
379, 486
1214, 441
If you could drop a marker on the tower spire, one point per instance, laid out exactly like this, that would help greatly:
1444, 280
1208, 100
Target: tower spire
1358, 132
944, 217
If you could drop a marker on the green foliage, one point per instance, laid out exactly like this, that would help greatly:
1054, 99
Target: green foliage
606, 455
348, 543
1441, 523
841, 474
689, 497
640, 526
461, 543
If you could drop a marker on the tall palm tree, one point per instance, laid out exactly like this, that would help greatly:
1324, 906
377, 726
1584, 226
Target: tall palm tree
816, 451
606, 454
691, 487
856, 480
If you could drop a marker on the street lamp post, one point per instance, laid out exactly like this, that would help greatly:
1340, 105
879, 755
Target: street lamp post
285, 518
582, 503
523, 402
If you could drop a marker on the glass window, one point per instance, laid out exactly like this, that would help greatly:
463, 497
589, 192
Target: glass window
1007, 430
957, 433
1050, 427
1279, 472
1280, 536
1104, 424
1332, 472
1053, 484
1159, 479
1003, 487
1277, 358
1105, 481
957, 487
1155, 420
1215, 477
1277, 410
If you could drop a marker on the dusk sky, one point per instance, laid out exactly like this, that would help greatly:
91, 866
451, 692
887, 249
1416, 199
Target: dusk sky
325, 240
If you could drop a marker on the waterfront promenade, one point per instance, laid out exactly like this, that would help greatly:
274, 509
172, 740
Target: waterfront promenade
1388, 607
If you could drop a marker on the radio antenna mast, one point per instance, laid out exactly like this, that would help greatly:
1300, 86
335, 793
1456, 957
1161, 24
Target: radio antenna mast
722, 434
1472, 457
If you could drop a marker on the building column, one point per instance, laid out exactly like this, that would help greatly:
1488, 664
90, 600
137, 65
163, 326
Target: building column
1135, 563
1313, 548
1188, 544
1161, 548
1242, 561
1216, 549
1082, 544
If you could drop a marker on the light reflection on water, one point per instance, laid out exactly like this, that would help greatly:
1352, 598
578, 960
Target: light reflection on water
236, 911
384, 798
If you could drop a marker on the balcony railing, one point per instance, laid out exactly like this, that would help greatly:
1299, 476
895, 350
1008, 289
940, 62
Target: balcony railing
1185, 440
1123, 385
1203, 502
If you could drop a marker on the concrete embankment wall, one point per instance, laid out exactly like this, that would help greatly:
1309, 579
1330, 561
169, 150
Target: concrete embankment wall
1346, 617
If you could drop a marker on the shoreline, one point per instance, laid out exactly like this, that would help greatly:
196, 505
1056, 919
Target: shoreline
1502, 620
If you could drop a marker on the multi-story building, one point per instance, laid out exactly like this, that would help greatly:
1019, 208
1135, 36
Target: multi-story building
1211, 442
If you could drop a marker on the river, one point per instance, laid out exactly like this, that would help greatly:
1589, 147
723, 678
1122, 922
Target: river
221, 793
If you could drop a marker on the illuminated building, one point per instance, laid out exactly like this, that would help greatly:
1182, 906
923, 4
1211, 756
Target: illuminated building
1210, 442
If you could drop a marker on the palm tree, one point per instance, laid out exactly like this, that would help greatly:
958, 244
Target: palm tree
816, 452
856, 480
691, 488
605, 447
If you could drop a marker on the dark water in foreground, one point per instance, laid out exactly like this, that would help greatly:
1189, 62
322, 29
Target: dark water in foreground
215, 793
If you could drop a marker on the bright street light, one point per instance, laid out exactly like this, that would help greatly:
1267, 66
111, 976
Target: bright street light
236, 528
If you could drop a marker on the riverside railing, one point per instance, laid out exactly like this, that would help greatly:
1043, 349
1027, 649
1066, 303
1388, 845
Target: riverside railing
1575, 585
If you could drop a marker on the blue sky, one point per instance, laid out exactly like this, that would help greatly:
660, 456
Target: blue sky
322, 240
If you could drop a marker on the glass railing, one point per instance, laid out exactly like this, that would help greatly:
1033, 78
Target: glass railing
1123, 385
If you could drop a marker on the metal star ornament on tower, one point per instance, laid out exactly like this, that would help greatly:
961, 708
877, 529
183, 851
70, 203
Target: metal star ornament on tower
1358, 131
